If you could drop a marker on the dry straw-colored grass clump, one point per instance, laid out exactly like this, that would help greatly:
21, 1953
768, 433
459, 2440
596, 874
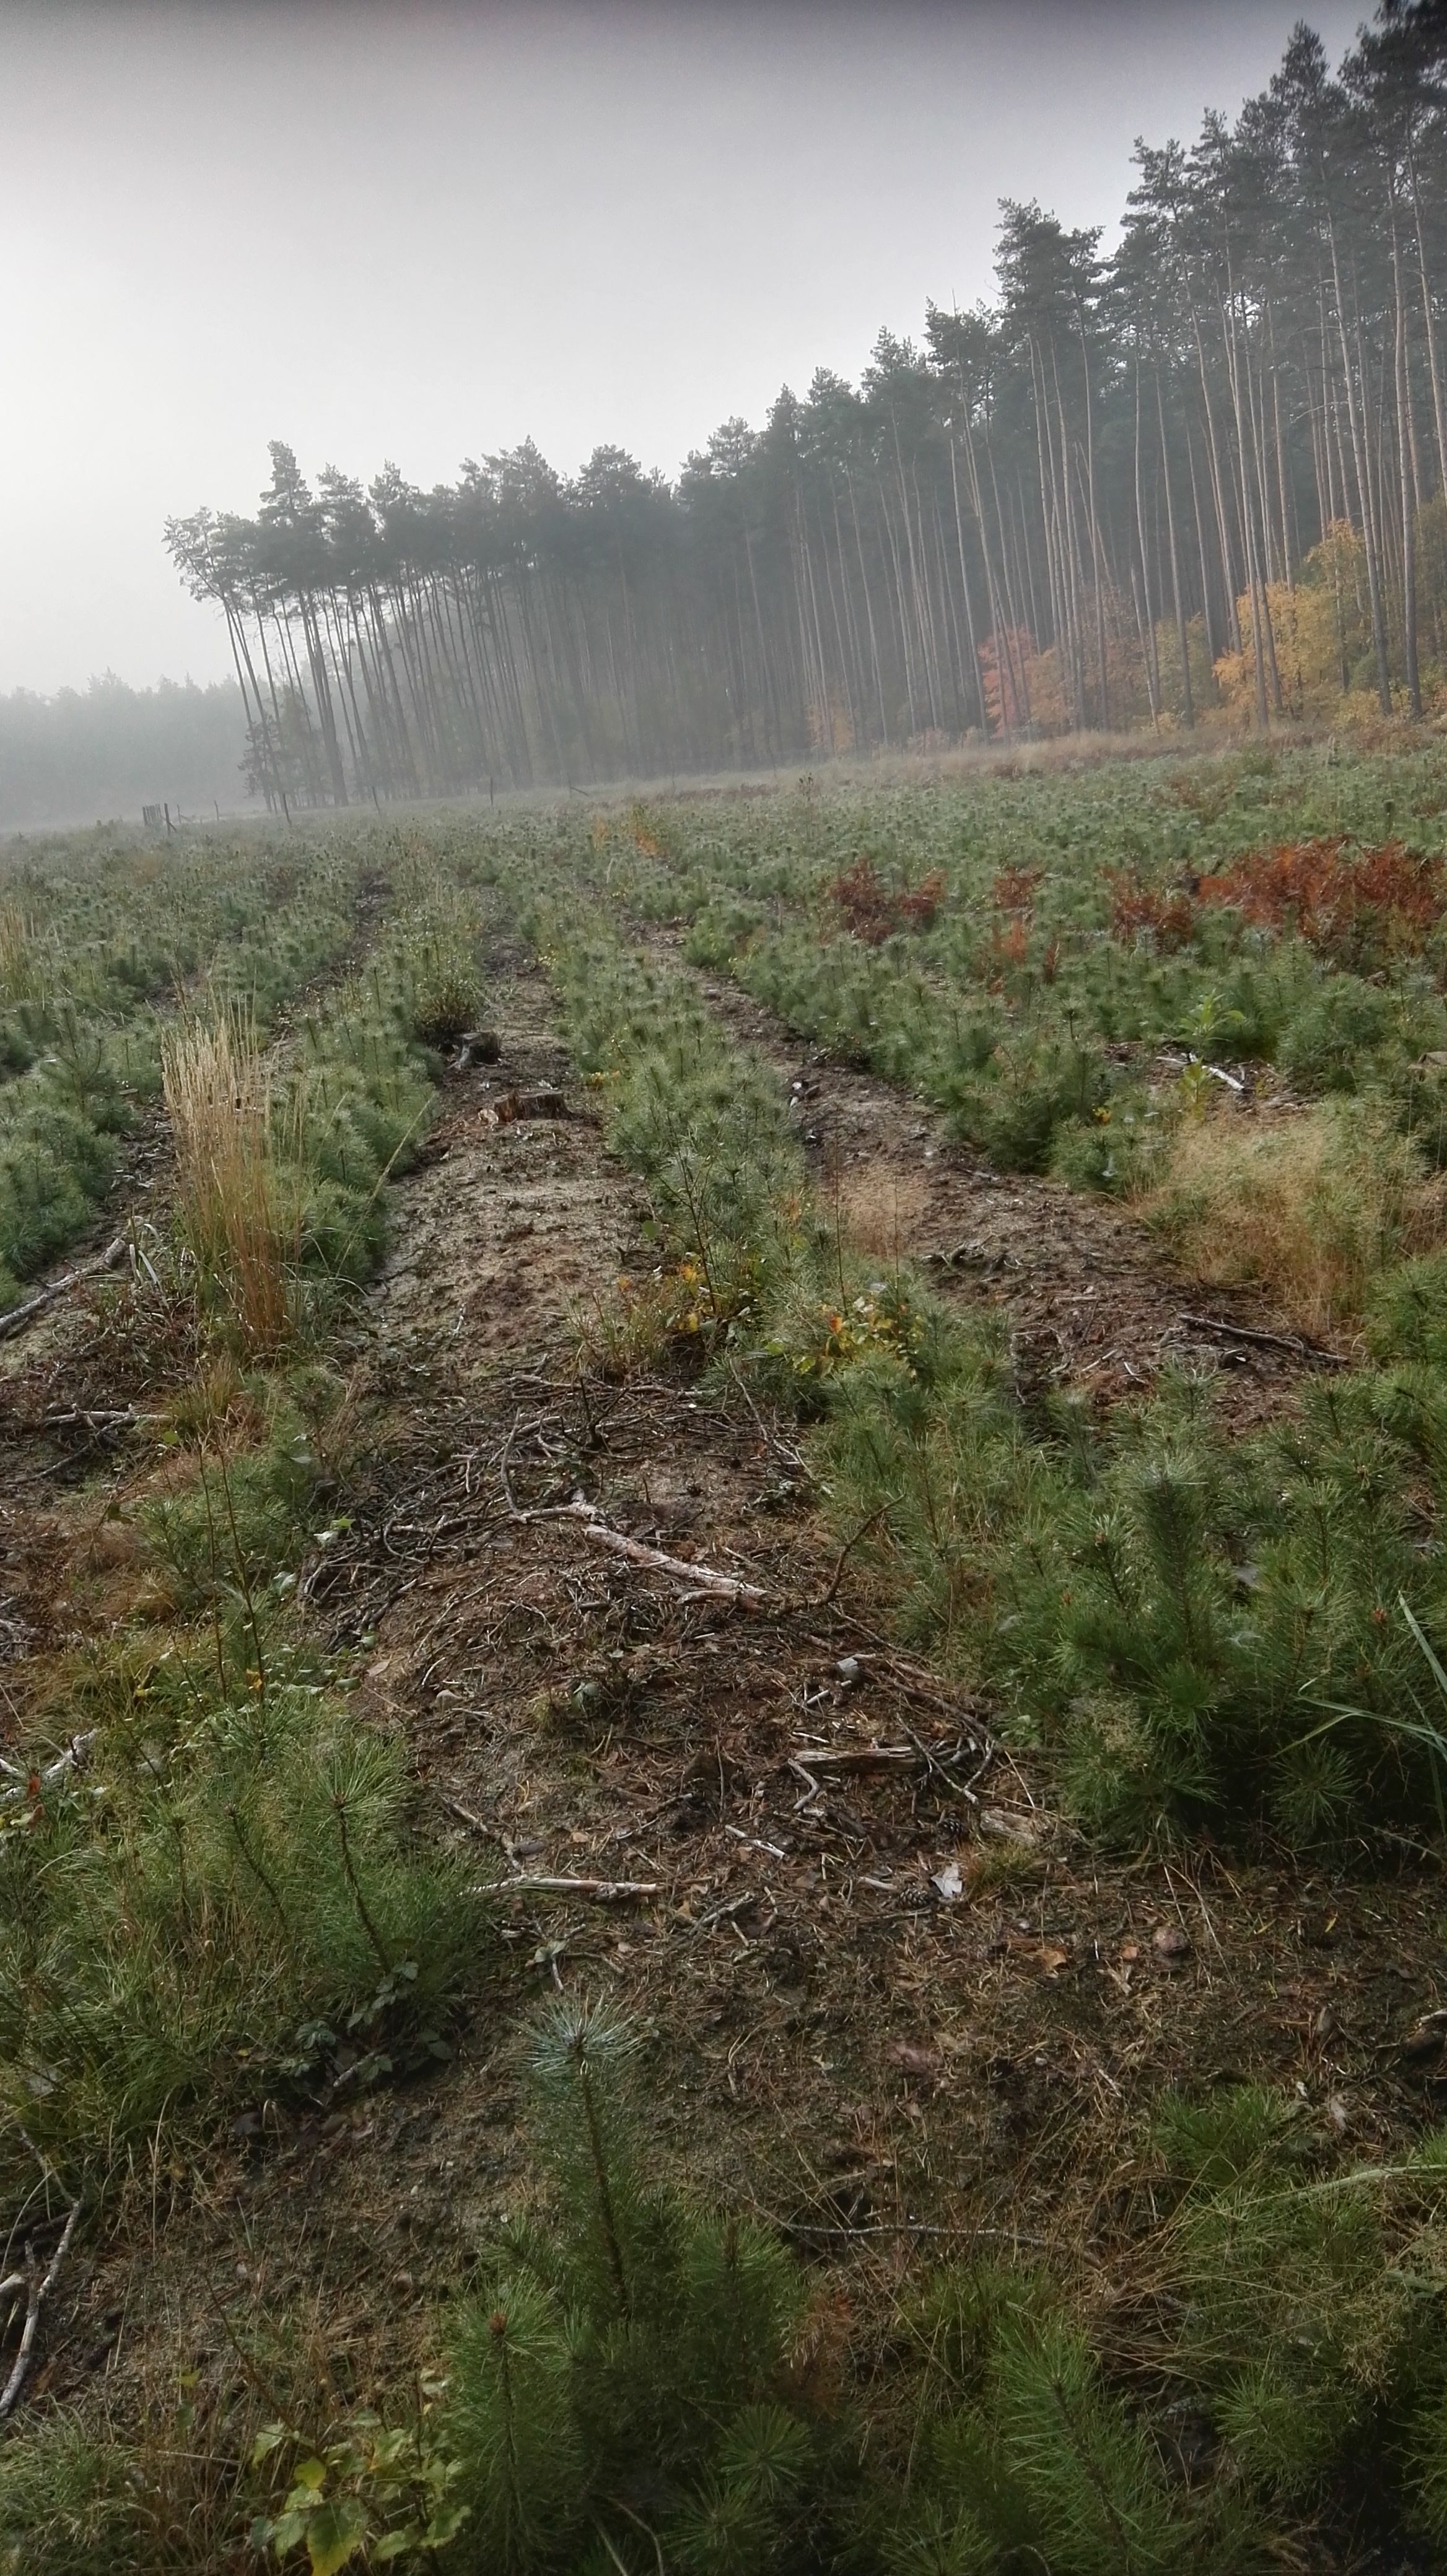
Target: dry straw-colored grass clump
1310, 1205
238, 1204
17, 965
879, 1209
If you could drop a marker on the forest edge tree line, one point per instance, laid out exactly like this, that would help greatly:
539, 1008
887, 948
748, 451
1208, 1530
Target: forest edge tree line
1204, 479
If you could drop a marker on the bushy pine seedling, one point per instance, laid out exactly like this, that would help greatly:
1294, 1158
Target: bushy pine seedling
235, 1519
719, 934
1022, 2454
1121, 1149
1310, 2319
1339, 1036
1182, 1609
55, 1168
358, 1106
1310, 2336
722, 1171
624, 2385
1025, 1093
870, 1004
433, 960
1406, 1311
226, 1894
934, 1468
705, 1124
1193, 1626
99, 1071
1414, 1087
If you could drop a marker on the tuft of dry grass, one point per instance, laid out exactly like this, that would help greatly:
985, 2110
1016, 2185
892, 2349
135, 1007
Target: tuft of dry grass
878, 1207
1310, 1206
238, 1206
19, 964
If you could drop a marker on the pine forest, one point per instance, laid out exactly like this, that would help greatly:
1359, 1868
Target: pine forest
1202, 481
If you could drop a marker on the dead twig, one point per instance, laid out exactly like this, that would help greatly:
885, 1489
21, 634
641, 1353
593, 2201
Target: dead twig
782, 1448
606, 1891
822, 1600
40, 2286
706, 1578
1293, 1342
909, 1676
118, 1417
856, 1757
719, 1913
466, 1817
914, 2227
20, 1316
936, 1767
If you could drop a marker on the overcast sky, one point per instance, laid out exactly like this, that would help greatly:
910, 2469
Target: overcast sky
425, 232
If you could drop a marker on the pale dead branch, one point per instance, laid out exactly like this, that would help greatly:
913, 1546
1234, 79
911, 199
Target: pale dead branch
19, 1316
40, 2286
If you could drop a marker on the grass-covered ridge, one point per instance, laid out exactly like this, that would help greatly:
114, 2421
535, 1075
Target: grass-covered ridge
99, 946
212, 1886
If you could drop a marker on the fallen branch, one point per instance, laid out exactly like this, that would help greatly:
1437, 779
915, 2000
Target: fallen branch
606, 1891
19, 1316
856, 1757
706, 1578
1293, 1342
40, 2287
